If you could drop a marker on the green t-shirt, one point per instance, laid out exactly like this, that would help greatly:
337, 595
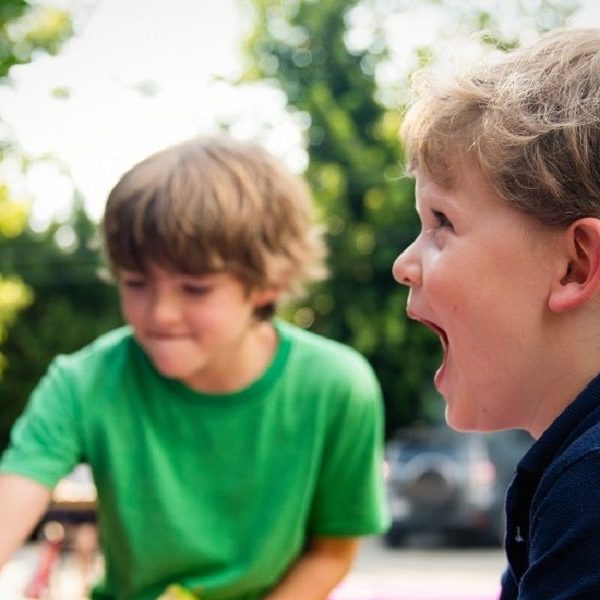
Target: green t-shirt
218, 492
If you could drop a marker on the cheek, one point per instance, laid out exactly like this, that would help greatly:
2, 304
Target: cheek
463, 289
131, 309
205, 316
446, 287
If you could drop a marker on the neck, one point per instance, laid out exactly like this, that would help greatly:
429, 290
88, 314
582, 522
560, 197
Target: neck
572, 361
235, 370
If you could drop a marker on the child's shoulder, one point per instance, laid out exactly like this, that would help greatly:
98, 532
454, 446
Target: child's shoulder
588, 443
107, 348
315, 343
101, 364
582, 455
329, 373
326, 355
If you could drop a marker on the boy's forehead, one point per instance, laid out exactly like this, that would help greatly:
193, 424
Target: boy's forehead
468, 184
426, 185
428, 190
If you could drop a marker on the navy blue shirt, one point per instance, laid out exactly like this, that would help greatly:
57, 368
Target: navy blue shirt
553, 509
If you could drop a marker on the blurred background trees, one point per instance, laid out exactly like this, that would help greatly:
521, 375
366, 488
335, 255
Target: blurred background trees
51, 298
23, 31
14, 295
342, 67
73, 304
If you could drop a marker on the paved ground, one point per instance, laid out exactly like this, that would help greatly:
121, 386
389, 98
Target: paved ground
415, 573
423, 572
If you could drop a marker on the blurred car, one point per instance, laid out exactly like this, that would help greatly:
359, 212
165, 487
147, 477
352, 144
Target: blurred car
442, 481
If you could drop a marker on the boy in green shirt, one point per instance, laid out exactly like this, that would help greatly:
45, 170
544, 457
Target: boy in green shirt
234, 454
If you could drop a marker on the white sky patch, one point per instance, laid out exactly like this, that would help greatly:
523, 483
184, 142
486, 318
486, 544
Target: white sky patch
105, 124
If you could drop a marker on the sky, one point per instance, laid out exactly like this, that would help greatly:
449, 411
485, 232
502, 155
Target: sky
179, 53
144, 74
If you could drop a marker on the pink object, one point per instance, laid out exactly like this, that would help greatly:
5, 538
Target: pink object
39, 583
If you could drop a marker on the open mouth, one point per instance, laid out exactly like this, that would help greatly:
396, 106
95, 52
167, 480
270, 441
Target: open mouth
440, 332
445, 345
442, 335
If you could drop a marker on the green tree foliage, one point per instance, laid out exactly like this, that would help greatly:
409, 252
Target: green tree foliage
24, 30
27, 28
14, 296
356, 175
355, 170
73, 304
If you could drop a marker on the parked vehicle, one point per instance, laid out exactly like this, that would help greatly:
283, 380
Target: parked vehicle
447, 482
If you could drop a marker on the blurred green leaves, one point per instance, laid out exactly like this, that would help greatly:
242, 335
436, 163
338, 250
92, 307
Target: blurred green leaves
25, 29
14, 295
73, 305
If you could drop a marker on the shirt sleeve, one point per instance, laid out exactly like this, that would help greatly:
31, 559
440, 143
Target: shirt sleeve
350, 498
564, 552
45, 442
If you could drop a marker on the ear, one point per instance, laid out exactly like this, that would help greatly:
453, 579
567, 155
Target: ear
579, 281
265, 296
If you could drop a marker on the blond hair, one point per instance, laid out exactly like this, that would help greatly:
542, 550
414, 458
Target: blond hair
212, 204
530, 121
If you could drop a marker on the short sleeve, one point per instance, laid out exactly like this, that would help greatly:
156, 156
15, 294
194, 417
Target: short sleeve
45, 442
350, 499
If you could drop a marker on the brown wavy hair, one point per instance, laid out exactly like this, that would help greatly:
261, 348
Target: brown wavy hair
212, 204
529, 120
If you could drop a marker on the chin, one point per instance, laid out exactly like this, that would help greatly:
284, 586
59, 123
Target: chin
170, 371
462, 422
462, 427
170, 374
473, 422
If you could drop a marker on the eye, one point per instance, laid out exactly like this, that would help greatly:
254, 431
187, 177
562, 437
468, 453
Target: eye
196, 289
133, 283
441, 220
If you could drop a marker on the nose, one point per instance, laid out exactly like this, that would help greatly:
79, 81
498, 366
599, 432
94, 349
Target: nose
164, 309
407, 268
